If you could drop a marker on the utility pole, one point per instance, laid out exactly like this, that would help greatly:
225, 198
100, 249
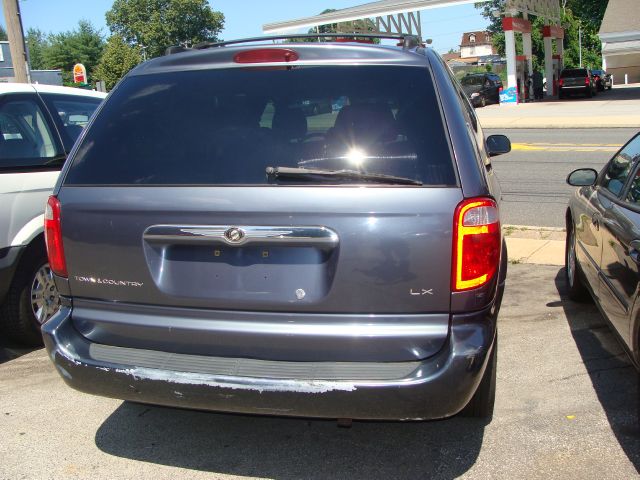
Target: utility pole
580, 44
16, 41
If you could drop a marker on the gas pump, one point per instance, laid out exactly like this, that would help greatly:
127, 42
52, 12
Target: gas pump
522, 78
556, 62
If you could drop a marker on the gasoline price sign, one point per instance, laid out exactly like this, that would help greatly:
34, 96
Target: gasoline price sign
79, 73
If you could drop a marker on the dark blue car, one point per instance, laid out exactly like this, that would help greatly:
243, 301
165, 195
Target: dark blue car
603, 242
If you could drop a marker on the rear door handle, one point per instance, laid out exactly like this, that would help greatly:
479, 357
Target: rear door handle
317, 236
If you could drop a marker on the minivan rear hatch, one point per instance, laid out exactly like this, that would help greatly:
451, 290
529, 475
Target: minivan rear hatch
173, 200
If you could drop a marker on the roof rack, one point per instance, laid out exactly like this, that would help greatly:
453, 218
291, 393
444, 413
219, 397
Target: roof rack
408, 41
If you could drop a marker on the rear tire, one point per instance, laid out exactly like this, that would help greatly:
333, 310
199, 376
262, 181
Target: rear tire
482, 403
573, 275
560, 95
32, 284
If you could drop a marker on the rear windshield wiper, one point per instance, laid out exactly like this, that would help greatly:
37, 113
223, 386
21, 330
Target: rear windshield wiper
313, 173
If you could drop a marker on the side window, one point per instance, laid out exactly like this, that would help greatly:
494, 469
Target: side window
73, 113
25, 137
633, 196
619, 167
632, 150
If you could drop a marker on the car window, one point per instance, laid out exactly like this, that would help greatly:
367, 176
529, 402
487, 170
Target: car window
226, 126
25, 137
619, 167
632, 150
573, 72
472, 80
74, 113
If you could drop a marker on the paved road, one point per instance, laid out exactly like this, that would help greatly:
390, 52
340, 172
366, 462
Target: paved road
566, 408
533, 175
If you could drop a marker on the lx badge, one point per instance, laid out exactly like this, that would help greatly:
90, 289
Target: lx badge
422, 292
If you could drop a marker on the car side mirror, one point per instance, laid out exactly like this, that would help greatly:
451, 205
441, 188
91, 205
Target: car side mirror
583, 177
497, 145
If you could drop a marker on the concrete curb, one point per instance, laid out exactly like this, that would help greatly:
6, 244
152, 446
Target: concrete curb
535, 245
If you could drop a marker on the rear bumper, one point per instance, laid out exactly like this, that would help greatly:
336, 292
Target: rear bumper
575, 89
9, 258
437, 387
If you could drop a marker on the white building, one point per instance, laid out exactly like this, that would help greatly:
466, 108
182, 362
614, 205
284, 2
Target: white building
620, 36
476, 44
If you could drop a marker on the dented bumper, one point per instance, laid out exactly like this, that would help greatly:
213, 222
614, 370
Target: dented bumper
437, 387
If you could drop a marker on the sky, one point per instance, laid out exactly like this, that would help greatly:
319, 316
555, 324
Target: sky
244, 18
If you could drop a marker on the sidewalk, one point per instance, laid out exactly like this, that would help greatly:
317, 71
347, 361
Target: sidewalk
619, 107
535, 245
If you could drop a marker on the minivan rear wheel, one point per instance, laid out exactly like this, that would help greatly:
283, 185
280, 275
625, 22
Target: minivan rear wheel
32, 299
482, 403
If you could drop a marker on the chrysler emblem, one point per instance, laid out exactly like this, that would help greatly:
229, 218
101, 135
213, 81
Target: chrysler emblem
234, 235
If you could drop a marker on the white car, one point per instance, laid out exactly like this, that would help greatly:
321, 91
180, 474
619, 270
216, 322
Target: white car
38, 127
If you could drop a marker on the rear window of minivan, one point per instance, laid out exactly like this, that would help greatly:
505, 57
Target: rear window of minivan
226, 126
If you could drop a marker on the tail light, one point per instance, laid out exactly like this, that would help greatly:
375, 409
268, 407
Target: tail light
586, 81
53, 237
476, 243
560, 82
266, 55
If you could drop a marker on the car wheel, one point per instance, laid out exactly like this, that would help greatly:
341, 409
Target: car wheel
609, 87
32, 299
589, 92
482, 403
575, 288
560, 95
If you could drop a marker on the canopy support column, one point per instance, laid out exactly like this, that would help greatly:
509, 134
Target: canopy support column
510, 52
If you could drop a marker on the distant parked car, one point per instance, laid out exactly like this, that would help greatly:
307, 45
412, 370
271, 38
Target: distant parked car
482, 88
38, 127
576, 80
603, 242
603, 80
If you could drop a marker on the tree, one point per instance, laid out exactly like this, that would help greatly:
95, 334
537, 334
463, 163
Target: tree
83, 45
154, 25
591, 45
3, 34
117, 59
37, 44
588, 11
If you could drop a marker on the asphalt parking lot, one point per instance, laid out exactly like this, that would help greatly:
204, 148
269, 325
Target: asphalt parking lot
566, 408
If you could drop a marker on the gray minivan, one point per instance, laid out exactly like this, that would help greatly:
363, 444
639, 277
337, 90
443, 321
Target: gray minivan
218, 246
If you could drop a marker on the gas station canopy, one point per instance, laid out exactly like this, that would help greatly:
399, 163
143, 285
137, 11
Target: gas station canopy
403, 17
550, 9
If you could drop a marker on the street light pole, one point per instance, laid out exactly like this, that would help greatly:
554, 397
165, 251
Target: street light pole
580, 44
17, 45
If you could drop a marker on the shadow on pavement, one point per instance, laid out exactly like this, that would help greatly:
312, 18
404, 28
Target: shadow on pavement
614, 378
285, 448
10, 351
